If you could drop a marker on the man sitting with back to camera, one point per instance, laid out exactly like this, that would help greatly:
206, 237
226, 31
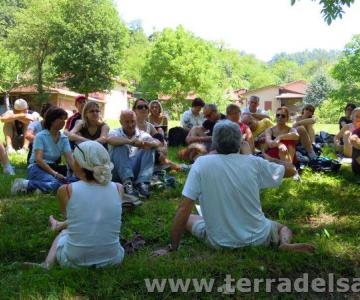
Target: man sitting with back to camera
132, 152
229, 200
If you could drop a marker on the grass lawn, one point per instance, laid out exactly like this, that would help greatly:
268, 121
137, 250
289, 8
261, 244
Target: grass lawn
323, 209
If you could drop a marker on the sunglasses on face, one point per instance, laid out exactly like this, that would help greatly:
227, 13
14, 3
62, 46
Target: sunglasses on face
94, 111
281, 116
142, 106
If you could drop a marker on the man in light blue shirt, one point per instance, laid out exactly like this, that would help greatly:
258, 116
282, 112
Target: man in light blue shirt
254, 109
228, 185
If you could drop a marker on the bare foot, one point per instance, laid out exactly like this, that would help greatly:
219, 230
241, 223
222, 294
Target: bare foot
300, 247
53, 223
42, 265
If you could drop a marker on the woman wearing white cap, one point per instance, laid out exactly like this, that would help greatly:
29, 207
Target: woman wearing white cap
92, 207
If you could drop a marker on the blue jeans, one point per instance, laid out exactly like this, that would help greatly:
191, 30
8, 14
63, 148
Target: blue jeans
139, 167
42, 180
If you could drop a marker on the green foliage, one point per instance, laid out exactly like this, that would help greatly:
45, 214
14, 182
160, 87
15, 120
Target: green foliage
135, 54
10, 68
286, 70
91, 44
347, 72
180, 63
330, 110
318, 89
7, 15
321, 56
31, 37
331, 9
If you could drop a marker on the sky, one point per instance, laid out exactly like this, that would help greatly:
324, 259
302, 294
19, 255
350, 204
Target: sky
260, 27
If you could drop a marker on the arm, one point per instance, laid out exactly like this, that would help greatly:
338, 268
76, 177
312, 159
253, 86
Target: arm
269, 140
10, 117
260, 116
355, 141
290, 170
148, 143
193, 137
184, 121
119, 140
340, 134
63, 197
43, 165
309, 121
250, 139
29, 134
104, 134
292, 135
180, 220
74, 134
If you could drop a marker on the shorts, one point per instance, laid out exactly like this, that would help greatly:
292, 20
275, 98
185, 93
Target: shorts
274, 237
199, 230
60, 251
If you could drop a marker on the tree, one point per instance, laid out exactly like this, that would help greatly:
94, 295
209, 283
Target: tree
318, 90
90, 46
10, 69
135, 54
31, 38
286, 70
331, 9
347, 71
7, 15
180, 63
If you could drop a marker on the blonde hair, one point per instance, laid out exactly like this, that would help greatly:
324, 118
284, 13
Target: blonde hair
156, 102
86, 108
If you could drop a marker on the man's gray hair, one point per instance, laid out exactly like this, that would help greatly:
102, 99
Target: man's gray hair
354, 112
226, 137
212, 107
254, 98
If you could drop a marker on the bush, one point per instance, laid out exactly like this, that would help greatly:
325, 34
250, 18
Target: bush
330, 111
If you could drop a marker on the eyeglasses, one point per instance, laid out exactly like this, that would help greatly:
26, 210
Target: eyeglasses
144, 106
82, 152
281, 116
94, 111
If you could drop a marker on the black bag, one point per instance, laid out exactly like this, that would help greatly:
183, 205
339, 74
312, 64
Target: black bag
177, 136
324, 164
61, 169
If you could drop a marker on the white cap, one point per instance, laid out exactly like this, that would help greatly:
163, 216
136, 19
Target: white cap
20, 104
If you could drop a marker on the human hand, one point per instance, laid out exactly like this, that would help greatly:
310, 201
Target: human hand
60, 177
282, 147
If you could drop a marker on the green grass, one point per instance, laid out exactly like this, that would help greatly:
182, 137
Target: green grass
323, 209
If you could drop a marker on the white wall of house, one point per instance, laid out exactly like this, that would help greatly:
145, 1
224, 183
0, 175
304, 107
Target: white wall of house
116, 101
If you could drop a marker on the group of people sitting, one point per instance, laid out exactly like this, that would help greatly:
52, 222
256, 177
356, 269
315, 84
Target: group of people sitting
106, 167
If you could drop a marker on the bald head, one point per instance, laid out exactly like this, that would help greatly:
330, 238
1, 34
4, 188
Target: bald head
128, 122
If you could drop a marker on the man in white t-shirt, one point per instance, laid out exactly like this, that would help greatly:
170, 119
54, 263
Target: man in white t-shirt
193, 116
254, 109
228, 186
132, 153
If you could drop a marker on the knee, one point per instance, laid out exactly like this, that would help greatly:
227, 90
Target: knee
301, 130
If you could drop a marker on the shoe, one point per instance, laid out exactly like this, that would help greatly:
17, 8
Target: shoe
185, 167
19, 186
297, 177
130, 191
22, 151
10, 150
155, 181
9, 170
143, 190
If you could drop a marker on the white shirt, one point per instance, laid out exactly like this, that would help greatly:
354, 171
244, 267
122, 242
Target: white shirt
258, 111
228, 187
189, 120
139, 134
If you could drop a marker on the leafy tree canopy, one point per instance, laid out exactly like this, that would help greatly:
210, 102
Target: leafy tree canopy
318, 90
331, 9
347, 71
8, 9
90, 44
10, 69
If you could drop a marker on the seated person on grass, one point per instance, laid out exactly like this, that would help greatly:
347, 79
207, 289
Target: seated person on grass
45, 174
193, 116
355, 142
254, 109
132, 153
230, 198
233, 113
92, 208
258, 129
4, 161
16, 123
306, 122
347, 118
281, 139
91, 126
158, 118
345, 133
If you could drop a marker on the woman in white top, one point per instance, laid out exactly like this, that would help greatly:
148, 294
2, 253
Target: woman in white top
92, 207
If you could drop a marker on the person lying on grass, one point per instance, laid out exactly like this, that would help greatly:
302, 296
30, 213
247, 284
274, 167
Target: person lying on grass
92, 207
228, 185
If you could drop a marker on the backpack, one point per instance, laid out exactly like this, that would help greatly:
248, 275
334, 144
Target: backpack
324, 164
177, 136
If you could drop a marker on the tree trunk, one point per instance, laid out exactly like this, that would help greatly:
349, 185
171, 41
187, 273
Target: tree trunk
40, 79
